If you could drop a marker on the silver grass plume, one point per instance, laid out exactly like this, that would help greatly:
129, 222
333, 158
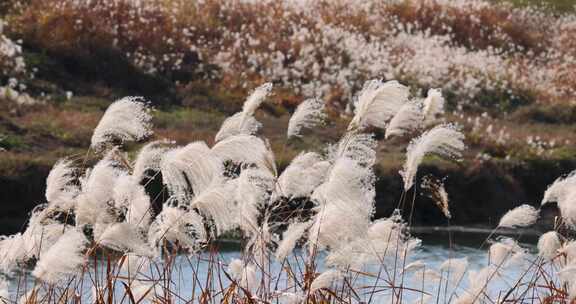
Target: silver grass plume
304, 173
437, 193
97, 191
256, 98
244, 123
129, 195
521, 216
39, 238
193, 165
433, 106
177, 225
567, 206
548, 245
444, 140
217, 203
308, 114
360, 147
408, 119
505, 252
243, 274
127, 119
455, 269
289, 239
237, 124
124, 237
477, 284
350, 184
149, 158
60, 187
12, 252
560, 188
63, 259
377, 103
134, 265
325, 280
414, 266
379, 242
252, 194
244, 149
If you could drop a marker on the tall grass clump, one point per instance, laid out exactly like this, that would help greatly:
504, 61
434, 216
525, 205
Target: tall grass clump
307, 233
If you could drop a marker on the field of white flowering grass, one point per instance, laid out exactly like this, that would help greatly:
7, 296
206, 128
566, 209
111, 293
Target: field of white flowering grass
307, 233
279, 124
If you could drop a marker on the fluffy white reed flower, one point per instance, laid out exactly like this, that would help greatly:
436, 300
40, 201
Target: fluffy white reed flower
567, 275
60, 188
177, 225
308, 114
126, 119
292, 298
350, 185
12, 252
193, 165
97, 191
124, 237
455, 269
567, 206
303, 175
560, 188
63, 259
427, 275
360, 147
569, 249
444, 140
378, 241
243, 274
325, 280
414, 266
235, 268
289, 239
433, 106
338, 228
238, 124
408, 119
256, 98
505, 252
477, 283
149, 158
521, 216
217, 203
252, 193
39, 238
128, 194
244, 149
377, 103
134, 265
548, 245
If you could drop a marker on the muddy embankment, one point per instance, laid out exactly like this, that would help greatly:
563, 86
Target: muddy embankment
479, 193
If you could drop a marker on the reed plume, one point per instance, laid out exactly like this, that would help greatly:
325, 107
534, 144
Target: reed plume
377, 103
521, 216
308, 114
127, 119
444, 140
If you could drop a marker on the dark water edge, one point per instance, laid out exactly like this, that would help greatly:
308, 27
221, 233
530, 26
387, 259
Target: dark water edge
480, 192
